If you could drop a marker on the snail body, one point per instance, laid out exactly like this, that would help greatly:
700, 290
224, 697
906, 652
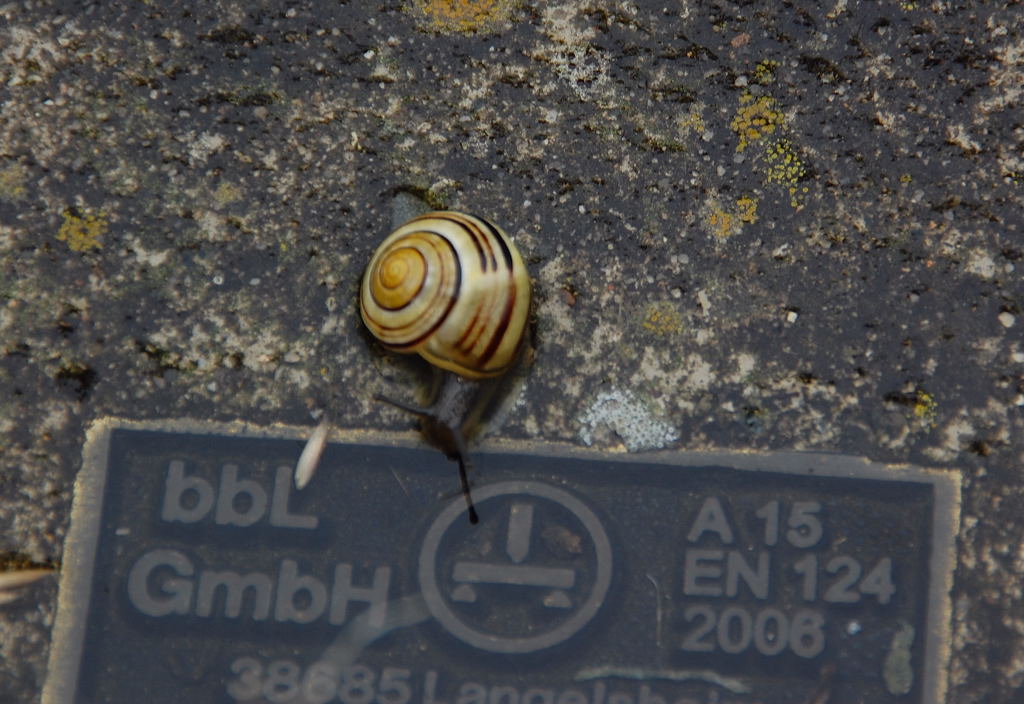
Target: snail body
452, 288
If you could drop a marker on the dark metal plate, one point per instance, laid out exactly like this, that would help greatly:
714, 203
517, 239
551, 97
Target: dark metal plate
196, 572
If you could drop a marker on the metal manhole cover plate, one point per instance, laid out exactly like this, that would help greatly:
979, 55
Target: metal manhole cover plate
195, 572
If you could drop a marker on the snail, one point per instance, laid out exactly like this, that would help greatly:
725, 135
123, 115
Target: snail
452, 288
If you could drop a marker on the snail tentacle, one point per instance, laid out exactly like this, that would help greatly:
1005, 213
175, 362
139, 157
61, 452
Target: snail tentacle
458, 450
408, 407
465, 466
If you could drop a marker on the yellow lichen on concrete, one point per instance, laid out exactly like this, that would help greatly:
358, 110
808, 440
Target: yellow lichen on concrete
759, 121
785, 168
746, 209
692, 122
662, 319
82, 233
464, 16
919, 404
227, 193
764, 72
924, 406
12, 182
724, 222
755, 119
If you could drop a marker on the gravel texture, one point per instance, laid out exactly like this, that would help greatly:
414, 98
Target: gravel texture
750, 225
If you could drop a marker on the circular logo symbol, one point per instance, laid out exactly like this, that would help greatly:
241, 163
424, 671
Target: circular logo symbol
530, 575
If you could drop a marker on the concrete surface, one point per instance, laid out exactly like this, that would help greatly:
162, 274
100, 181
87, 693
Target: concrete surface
750, 225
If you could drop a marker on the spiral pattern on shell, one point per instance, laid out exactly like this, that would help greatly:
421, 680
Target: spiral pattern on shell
451, 287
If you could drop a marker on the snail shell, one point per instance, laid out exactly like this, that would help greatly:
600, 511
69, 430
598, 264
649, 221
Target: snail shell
451, 287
